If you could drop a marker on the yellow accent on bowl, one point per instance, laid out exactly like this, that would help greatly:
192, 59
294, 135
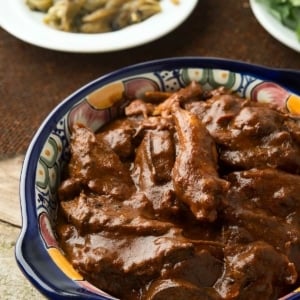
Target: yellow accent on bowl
106, 96
293, 104
63, 264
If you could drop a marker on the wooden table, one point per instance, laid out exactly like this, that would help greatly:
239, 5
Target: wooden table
34, 80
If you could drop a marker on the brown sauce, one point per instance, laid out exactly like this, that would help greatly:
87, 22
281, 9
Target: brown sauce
194, 197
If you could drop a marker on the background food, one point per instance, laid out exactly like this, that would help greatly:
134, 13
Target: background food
92, 16
286, 11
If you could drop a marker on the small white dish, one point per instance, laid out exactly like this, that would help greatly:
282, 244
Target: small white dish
273, 26
17, 19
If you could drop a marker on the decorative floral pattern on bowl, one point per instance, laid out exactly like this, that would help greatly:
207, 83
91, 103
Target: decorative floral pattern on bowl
95, 105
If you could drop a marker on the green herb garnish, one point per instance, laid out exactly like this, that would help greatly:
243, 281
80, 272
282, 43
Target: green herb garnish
286, 11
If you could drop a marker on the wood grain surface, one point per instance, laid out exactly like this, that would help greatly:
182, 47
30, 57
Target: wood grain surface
13, 285
10, 170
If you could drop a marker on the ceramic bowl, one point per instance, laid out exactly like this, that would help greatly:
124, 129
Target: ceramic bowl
95, 104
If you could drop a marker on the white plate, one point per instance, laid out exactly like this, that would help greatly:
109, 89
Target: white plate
280, 32
17, 19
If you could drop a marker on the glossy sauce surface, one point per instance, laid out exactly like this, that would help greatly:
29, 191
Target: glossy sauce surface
192, 197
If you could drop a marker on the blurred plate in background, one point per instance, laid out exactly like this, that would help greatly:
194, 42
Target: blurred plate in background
273, 26
17, 19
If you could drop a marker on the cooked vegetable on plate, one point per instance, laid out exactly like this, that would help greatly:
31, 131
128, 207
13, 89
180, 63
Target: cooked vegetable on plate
94, 16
